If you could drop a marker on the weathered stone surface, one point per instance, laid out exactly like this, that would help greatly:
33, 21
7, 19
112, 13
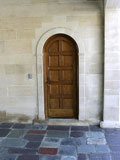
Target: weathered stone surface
95, 128
20, 91
54, 140
25, 34
34, 145
18, 47
60, 134
86, 149
67, 150
50, 157
96, 141
4, 132
6, 125
7, 34
51, 151
2, 47
67, 141
113, 140
63, 128
76, 134
36, 132
102, 149
68, 158
95, 135
22, 151
115, 148
8, 157
13, 142
116, 156
50, 144
112, 45
22, 25
79, 128
82, 156
17, 133
31, 137
95, 156
28, 157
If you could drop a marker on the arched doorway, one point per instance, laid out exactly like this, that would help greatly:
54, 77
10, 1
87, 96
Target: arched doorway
60, 77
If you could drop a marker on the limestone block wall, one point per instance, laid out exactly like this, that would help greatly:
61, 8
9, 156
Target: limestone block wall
21, 25
112, 69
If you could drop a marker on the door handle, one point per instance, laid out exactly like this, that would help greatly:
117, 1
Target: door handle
47, 83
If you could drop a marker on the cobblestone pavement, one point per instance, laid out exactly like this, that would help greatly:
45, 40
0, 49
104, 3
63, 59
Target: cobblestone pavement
41, 142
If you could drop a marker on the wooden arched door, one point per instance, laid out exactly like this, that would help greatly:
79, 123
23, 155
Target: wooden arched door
60, 77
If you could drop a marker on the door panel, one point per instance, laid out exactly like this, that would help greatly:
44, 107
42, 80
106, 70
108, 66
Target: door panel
60, 76
53, 61
54, 103
54, 89
67, 75
54, 47
53, 75
67, 103
67, 61
67, 89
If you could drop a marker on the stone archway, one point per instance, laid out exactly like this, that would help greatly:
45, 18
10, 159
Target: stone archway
39, 68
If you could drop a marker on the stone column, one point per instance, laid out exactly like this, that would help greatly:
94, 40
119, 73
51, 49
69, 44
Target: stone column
111, 109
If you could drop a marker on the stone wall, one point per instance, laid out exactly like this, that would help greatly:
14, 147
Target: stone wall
21, 25
112, 69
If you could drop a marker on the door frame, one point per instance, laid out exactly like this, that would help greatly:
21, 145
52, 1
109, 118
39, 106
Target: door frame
40, 39
44, 73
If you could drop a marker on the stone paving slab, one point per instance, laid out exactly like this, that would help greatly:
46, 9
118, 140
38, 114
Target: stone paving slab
8, 157
4, 132
13, 142
68, 141
32, 126
102, 149
22, 151
98, 156
6, 125
33, 145
68, 158
82, 157
96, 128
51, 151
31, 137
115, 149
73, 141
59, 134
62, 128
49, 157
77, 134
95, 135
86, 149
19, 126
67, 150
54, 140
50, 145
28, 157
42, 142
115, 156
79, 128
3, 151
96, 141
36, 132
17, 133
113, 140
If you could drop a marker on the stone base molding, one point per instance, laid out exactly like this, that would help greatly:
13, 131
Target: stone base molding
110, 124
